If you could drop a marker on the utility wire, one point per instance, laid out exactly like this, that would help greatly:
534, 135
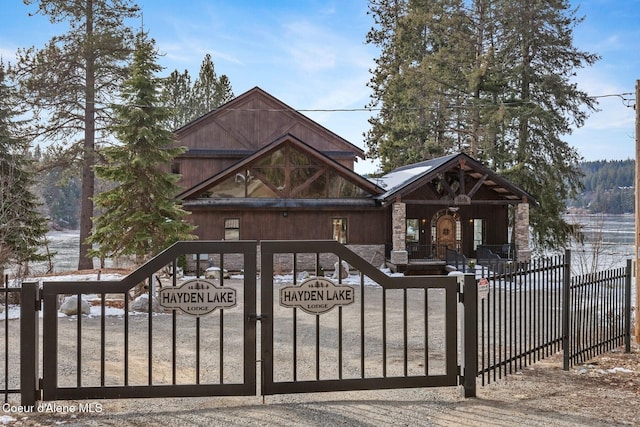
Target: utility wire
623, 96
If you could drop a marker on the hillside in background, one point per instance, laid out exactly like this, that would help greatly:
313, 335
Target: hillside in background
608, 187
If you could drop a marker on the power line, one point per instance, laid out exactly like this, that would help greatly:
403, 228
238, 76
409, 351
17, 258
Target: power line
623, 96
627, 102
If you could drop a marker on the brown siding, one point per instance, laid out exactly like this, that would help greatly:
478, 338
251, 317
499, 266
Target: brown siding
495, 225
364, 227
249, 123
196, 170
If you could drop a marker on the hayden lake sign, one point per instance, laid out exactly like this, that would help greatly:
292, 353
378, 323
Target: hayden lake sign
316, 295
197, 297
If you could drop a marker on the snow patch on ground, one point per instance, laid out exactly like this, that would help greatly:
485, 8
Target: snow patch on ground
6, 419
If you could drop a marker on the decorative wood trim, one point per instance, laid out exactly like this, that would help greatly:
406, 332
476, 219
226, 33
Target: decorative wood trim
308, 182
476, 187
446, 186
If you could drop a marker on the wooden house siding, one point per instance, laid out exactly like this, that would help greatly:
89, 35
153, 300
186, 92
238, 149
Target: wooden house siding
364, 227
245, 125
194, 171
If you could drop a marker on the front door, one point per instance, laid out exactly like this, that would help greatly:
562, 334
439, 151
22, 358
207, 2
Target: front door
446, 234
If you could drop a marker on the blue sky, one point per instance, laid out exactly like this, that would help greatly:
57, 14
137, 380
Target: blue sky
312, 56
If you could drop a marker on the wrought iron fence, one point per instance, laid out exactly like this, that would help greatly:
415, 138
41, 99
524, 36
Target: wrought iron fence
598, 308
520, 320
397, 332
536, 309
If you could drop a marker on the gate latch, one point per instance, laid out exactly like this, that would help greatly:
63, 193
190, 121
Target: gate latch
257, 317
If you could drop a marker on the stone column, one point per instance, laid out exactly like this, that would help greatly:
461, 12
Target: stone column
523, 252
399, 253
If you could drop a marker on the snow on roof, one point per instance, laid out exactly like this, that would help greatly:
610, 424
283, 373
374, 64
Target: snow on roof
399, 177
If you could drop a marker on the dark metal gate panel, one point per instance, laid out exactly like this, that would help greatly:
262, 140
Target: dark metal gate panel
399, 332
101, 356
9, 345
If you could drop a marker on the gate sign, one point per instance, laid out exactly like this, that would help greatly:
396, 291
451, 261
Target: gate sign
483, 288
197, 297
317, 295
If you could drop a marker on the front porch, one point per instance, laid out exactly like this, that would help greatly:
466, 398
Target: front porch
449, 210
439, 259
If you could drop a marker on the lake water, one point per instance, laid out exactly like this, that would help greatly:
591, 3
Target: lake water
610, 238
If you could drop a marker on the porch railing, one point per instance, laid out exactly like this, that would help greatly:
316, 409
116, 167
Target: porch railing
506, 251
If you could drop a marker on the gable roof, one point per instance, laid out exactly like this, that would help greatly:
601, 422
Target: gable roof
345, 172
406, 179
238, 115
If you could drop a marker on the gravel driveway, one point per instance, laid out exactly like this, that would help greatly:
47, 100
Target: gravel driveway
542, 395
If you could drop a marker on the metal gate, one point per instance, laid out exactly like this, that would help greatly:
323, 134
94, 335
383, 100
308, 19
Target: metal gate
358, 331
193, 356
372, 332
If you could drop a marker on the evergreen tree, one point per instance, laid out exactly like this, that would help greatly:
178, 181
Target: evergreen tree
190, 102
209, 92
140, 215
176, 95
546, 105
225, 92
69, 83
23, 229
488, 77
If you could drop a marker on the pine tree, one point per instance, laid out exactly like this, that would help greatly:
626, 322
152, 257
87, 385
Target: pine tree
492, 78
190, 102
70, 82
24, 229
429, 73
545, 103
176, 94
140, 215
225, 92
209, 91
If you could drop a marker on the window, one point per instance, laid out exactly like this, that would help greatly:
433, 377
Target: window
287, 173
175, 168
339, 226
477, 233
413, 230
232, 229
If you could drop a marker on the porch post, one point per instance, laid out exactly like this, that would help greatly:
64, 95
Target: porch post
523, 252
399, 253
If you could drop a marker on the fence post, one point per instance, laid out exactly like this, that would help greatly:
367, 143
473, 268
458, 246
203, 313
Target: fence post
566, 296
627, 307
29, 336
470, 335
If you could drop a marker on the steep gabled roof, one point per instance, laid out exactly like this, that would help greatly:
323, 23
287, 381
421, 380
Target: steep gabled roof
352, 177
404, 180
252, 104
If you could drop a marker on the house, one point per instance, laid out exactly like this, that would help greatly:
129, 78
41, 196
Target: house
257, 169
